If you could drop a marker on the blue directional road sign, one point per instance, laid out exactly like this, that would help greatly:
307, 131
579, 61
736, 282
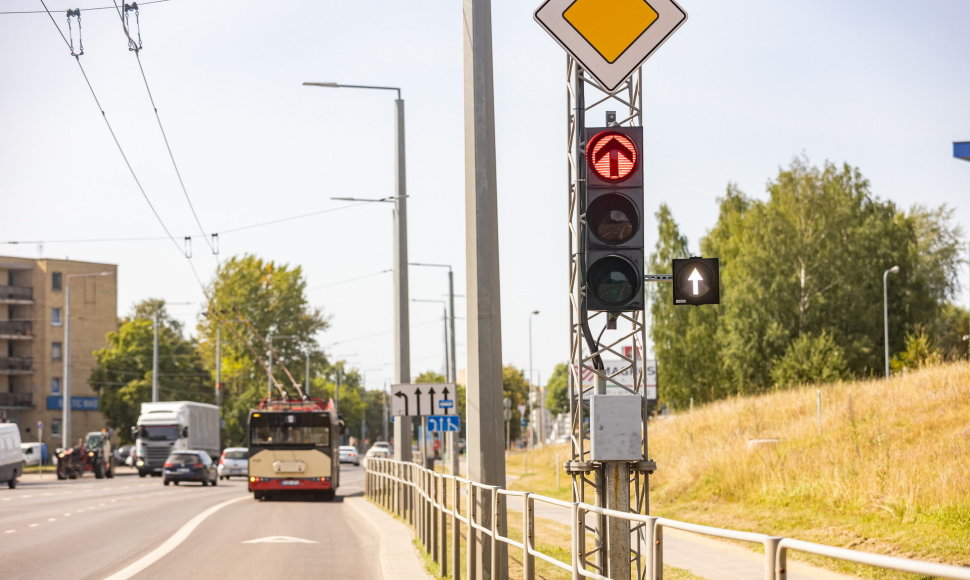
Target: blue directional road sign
439, 423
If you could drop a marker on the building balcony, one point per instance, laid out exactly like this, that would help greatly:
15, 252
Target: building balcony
16, 365
16, 330
16, 400
16, 295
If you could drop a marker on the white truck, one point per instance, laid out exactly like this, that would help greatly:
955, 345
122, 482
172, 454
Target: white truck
164, 427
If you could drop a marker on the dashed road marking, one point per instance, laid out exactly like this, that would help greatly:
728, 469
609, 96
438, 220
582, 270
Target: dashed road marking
52, 519
33, 525
9, 531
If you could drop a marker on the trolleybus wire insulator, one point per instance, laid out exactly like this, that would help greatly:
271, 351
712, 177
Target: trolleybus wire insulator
133, 7
75, 14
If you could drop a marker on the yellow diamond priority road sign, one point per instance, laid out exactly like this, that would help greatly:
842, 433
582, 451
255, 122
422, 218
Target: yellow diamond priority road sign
610, 38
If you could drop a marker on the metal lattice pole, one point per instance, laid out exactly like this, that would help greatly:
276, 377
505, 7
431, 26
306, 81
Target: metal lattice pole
621, 336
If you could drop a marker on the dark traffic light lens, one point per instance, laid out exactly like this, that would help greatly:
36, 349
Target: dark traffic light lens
613, 280
612, 218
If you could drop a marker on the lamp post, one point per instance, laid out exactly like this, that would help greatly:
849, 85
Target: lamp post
66, 394
402, 355
885, 310
531, 384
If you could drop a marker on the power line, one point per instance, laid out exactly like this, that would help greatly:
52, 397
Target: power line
348, 280
136, 48
111, 130
81, 9
155, 239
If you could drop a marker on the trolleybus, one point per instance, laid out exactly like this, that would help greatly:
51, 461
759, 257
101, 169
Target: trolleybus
293, 448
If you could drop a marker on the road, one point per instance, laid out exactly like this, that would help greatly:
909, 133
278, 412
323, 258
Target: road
92, 528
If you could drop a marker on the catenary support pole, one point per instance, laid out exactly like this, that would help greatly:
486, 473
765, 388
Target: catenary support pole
155, 357
402, 351
486, 458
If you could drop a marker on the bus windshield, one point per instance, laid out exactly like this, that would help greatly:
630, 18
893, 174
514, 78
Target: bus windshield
284, 429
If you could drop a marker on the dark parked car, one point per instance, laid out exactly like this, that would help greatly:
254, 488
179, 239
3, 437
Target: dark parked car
190, 465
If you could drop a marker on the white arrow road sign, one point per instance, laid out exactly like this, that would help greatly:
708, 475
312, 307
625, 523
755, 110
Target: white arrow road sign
422, 399
696, 278
280, 540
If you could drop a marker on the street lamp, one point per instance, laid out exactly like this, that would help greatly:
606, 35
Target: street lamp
885, 310
531, 383
402, 355
66, 394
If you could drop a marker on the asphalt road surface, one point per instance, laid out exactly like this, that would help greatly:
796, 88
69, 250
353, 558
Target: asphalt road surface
129, 527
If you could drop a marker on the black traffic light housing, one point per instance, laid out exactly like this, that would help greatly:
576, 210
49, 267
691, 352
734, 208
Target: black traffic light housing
614, 219
697, 281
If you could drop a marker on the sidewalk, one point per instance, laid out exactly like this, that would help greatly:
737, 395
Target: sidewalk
398, 556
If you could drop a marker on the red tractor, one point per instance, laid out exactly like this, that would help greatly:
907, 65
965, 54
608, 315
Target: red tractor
93, 455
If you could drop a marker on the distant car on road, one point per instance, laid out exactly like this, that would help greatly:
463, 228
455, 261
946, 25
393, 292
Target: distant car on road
380, 450
348, 454
123, 455
234, 461
190, 465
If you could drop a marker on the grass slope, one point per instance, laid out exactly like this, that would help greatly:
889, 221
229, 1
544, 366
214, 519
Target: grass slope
888, 472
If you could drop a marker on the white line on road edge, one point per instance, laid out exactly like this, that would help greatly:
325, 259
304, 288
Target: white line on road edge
169, 544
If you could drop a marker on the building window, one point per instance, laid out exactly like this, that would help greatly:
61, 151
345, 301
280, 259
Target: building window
57, 280
56, 316
56, 428
55, 385
56, 352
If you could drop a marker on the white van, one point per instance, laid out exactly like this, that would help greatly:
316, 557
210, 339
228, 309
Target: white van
11, 458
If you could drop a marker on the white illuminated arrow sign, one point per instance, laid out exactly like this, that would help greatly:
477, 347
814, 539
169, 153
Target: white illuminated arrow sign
695, 277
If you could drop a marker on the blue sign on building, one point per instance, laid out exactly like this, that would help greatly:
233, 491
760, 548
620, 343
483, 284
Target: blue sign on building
56, 403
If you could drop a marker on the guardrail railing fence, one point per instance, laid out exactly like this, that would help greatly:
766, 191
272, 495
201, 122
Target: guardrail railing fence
442, 510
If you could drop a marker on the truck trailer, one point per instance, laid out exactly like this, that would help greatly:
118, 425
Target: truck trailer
164, 427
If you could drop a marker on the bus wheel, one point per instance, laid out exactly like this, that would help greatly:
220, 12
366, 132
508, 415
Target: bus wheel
329, 494
258, 495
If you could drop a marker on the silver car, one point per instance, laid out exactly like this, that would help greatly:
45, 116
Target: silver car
234, 461
348, 454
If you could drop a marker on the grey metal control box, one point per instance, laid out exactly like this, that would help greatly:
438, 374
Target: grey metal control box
616, 428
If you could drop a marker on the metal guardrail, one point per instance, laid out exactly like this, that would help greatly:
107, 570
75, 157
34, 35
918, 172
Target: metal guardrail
431, 503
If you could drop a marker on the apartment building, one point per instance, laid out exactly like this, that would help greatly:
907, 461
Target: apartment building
33, 313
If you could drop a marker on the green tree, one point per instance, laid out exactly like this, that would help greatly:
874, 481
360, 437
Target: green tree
250, 299
919, 352
122, 375
557, 390
810, 359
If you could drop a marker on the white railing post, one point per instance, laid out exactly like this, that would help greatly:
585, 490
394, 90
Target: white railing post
771, 549
442, 518
658, 539
528, 537
781, 563
495, 527
455, 529
472, 550
650, 546
577, 531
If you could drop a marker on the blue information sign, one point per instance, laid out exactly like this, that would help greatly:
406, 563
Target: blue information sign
56, 403
446, 403
438, 423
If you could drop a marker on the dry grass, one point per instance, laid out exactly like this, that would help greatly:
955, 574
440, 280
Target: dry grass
889, 472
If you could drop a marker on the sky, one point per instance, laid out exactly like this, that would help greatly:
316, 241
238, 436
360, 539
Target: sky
739, 91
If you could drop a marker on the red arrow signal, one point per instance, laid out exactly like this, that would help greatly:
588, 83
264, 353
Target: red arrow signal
612, 156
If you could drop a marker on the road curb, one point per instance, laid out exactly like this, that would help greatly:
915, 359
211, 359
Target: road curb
398, 557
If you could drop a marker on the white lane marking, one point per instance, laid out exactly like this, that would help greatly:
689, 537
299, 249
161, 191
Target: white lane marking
9, 531
169, 544
52, 519
6, 499
33, 525
280, 540
67, 515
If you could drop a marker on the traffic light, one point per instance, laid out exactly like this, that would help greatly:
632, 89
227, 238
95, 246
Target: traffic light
614, 219
697, 281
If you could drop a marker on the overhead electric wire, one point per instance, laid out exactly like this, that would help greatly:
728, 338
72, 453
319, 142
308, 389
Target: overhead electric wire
161, 128
81, 9
104, 116
349, 280
155, 239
